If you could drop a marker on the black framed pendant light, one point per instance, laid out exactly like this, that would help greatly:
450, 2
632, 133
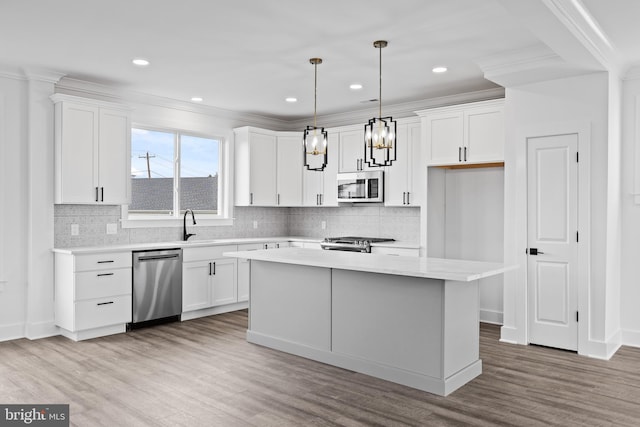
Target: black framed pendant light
380, 132
314, 141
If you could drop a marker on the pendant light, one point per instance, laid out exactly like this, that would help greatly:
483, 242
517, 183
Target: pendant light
380, 132
314, 141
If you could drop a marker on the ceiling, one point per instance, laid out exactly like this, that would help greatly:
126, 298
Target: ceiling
249, 55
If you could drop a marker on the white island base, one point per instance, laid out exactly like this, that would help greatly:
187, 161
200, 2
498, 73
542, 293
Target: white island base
421, 332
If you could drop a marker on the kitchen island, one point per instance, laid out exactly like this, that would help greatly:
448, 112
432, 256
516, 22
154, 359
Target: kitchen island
410, 320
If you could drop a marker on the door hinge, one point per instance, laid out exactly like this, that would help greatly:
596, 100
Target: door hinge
577, 157
577, 317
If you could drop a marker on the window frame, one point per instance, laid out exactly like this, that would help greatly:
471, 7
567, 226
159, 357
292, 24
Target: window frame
225, 190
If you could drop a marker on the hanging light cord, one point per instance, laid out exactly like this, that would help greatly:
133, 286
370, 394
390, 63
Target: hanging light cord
315, 94
380, 86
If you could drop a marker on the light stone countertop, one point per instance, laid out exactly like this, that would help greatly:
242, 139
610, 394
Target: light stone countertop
433, 268
201, 243
180, 244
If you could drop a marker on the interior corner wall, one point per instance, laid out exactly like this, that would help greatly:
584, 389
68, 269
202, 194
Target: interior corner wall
630, 251
14, 205
581, 99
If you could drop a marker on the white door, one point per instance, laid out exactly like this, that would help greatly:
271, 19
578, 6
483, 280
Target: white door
289, 171
552, 180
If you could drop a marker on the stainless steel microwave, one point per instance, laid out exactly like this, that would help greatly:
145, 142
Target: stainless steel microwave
355, 187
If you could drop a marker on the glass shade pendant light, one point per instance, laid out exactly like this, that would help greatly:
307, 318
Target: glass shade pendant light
380, 132
314, 141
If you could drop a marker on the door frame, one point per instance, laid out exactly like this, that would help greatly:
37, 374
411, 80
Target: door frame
518, 314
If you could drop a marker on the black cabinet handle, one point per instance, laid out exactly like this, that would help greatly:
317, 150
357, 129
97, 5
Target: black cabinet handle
102, 194
209, 269
105, 274
97, 199
105, 262
465, 154
459, 154
214, 268
250, 198
105, 303
408, 198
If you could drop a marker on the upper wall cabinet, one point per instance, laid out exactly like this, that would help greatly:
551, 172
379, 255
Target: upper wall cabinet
403, 178
268, 167
92, 151
464, 134
351, 154
320, 187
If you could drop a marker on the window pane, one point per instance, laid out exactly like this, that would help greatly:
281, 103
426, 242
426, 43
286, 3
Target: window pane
152, 154
199, 173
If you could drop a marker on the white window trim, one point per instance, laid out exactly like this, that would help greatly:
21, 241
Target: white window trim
225, 193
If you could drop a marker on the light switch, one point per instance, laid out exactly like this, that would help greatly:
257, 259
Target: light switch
75, 229
323, 225
255, 224
112, 228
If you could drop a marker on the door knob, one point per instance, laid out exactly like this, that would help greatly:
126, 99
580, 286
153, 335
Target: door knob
535, 251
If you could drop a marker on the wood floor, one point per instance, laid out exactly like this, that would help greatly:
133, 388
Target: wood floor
203, 373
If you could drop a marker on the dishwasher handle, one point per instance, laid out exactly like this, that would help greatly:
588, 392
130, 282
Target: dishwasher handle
157, 257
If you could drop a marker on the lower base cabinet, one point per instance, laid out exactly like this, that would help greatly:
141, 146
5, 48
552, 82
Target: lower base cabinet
92, 294
208, 278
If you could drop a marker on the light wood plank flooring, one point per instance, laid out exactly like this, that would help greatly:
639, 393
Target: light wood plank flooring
203, 373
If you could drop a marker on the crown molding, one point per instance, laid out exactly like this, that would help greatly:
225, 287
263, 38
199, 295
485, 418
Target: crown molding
407, 109
583, 26
107, 93
30, 73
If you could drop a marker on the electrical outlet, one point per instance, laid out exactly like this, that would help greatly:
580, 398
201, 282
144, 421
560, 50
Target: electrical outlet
323, 225
255, 224
112, 228
75, 229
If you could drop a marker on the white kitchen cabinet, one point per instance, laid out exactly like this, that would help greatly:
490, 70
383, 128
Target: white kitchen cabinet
208, 278
320, 188
289, 169
465, 134
351, 154
268, 167
92, 151
403, 178
255, 167
92, 294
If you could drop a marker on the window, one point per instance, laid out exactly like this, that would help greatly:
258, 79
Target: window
172, 172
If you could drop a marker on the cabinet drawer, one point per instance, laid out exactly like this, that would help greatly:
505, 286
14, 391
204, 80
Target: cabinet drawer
103, 283
206, 253
100, 312
103, 261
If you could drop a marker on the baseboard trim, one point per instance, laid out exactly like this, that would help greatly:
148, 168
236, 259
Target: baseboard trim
491, 316
631, 338
12, 331
38, 330
509, 335
605, 349
189, 315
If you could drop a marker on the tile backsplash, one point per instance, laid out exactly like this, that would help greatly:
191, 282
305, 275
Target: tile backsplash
402, 224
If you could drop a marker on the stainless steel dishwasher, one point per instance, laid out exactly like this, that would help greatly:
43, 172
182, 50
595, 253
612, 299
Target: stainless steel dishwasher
157, 287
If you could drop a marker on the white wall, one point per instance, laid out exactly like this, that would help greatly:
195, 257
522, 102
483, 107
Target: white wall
630, 265
573, 101
13, 185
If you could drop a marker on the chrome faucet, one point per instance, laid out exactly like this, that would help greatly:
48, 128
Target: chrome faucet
185, 235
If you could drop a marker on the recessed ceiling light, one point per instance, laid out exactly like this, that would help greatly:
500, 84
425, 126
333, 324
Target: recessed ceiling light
439, 69
197, 99
140, 62
355, 86
291, 99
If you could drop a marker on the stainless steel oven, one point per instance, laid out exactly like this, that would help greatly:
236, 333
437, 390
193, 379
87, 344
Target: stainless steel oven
357, 187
